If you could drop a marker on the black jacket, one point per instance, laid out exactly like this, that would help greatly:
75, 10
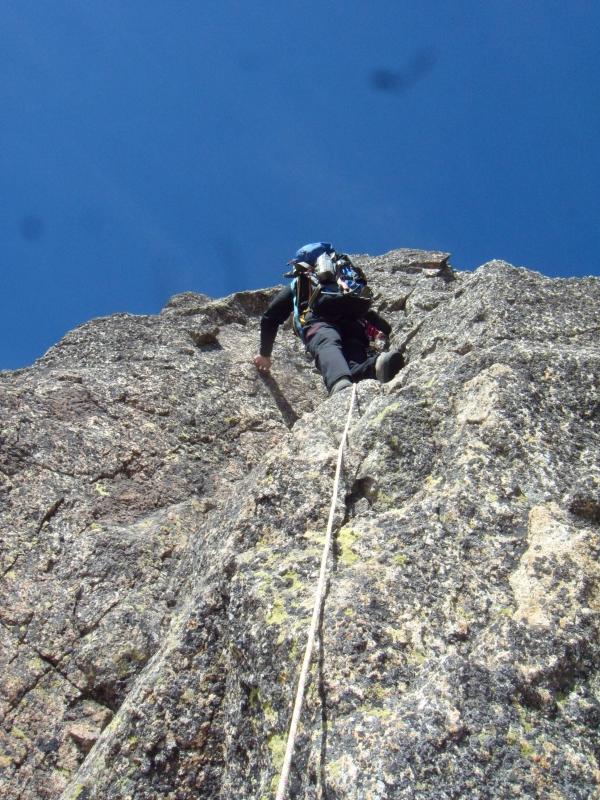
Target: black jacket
282, 306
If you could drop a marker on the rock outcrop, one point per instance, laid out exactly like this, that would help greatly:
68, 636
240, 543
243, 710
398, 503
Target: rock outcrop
163, 508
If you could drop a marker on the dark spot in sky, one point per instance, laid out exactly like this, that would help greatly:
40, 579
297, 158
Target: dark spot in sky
31, 227
384, 79
397, 81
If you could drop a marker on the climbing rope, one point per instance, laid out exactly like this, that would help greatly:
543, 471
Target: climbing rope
319, 598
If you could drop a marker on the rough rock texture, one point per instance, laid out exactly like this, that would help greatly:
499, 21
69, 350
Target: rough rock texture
163, 508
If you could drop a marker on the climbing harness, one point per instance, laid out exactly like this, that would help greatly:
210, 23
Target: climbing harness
317, 610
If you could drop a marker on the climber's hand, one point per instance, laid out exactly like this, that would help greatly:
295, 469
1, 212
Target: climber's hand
262, 363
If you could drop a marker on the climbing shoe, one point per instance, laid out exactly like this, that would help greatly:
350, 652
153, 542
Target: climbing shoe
387, 365
341, 383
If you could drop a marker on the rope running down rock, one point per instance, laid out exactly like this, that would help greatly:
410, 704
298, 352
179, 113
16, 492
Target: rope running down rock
319, 598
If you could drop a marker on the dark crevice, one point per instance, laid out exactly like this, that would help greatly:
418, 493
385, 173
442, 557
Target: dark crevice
51, 512
362, 489
463, 349
121, 469
395, 305
102, 696
409, 337
52, 664
446, 273
210, 347
11, 565
587, 508
110, 696
204, 336
87, 629
573, 668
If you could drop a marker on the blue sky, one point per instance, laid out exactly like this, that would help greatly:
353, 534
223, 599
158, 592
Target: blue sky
154, 147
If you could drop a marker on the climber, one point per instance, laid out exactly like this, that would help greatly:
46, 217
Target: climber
330, 301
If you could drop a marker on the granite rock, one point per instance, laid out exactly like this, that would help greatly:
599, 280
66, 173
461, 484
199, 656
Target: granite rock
163, 511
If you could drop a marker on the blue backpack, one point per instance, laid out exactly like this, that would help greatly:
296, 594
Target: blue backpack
326, 286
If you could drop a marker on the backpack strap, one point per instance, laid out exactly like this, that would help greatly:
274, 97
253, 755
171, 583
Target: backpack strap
313, 298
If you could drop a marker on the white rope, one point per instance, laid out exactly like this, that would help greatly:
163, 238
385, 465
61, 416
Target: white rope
319, 597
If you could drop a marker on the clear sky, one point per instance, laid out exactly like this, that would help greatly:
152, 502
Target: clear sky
149, 147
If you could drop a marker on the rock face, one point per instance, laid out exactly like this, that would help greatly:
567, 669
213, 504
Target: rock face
163, 511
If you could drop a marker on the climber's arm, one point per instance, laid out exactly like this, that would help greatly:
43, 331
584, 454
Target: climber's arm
276, 314
378, 322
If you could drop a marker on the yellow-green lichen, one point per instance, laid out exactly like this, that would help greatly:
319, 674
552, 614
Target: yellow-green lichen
101, 489
271, 715
254, 697
526, 748
373, 711
316, 538
376, 421
397, 635
386, 501
292, 577
346, 539
265, 580
276, 744
188, 696
313, 475
336, 769
125, 661
462, 615
561, 698
277, 615
63, 772
293, 650
505, 611
523, 717
377, 692
512, 737
416, 657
